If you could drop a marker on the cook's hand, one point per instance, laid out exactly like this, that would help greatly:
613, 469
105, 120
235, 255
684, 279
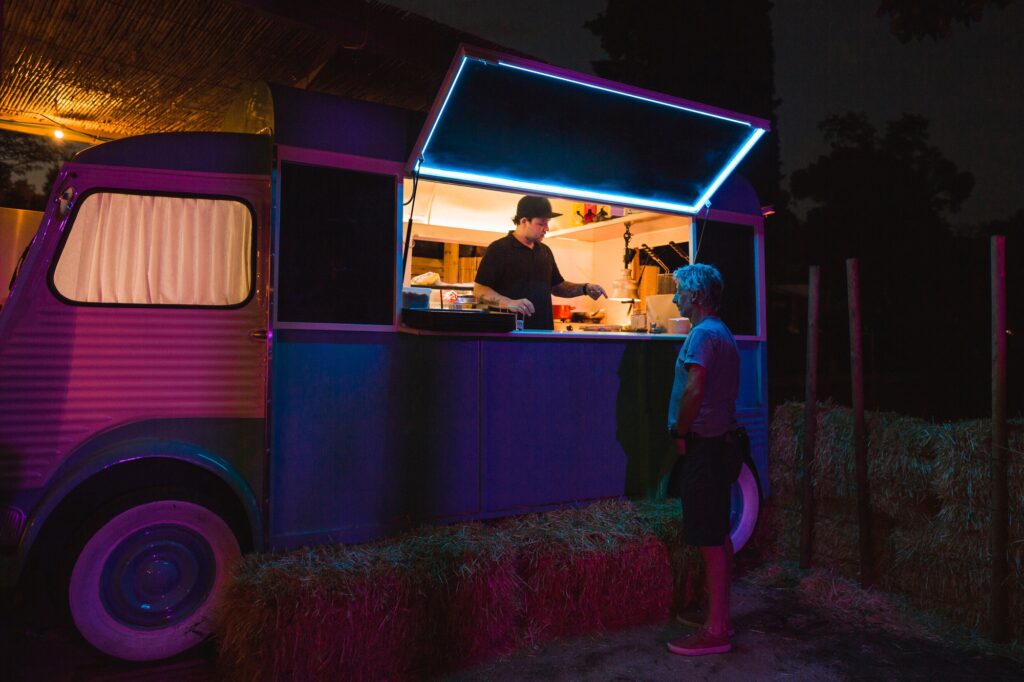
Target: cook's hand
523, 306
595, 291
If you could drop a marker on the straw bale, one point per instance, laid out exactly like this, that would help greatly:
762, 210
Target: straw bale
901, 456
929, 497
964, 468
428, 602
571, 593
300, 618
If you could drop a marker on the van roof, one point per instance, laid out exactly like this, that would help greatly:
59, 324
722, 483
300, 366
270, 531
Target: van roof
202, 152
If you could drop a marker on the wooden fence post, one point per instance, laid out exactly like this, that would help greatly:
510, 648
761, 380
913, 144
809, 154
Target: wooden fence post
998, 452
859, 440
810, 418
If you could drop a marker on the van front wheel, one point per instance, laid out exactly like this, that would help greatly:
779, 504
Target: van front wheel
145, 582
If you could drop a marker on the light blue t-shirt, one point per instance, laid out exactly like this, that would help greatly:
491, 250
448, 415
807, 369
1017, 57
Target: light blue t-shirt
712, 346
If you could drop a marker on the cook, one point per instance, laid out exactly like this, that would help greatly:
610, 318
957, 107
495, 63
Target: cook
519, 273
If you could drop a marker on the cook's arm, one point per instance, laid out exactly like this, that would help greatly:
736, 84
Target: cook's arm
571, 290
488, 296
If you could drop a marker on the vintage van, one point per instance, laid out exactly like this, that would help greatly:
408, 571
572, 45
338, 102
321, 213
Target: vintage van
204, 351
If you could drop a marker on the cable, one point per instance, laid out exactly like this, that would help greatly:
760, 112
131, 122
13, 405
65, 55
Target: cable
700, 230
412, 208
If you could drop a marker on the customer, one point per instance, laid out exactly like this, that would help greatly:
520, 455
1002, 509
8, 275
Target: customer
702, 424
519, 273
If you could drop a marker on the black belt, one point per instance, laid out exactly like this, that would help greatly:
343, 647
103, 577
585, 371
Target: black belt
692, 437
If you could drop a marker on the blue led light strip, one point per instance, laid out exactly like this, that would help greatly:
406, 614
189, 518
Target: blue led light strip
625, 94
736, 158
440, 112
579, 192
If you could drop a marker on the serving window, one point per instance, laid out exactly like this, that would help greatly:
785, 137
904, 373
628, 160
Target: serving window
730, 248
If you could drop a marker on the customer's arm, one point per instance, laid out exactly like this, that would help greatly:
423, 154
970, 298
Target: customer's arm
689, 405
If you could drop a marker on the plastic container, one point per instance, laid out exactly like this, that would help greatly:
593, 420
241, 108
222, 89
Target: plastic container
415, 297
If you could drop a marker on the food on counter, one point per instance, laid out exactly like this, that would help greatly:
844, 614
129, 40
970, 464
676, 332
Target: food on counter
426, 279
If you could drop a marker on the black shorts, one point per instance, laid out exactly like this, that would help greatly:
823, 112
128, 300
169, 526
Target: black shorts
705, 477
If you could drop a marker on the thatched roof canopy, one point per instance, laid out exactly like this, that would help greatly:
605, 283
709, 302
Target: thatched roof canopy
113, 68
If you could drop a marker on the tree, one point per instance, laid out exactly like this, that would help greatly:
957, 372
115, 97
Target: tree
887, 197
712, 51
21, 154
897, 177
918, 19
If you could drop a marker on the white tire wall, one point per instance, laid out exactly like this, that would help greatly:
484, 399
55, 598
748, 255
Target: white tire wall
144, 584
750, 494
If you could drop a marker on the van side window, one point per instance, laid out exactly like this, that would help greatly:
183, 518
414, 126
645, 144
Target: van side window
142, 249
338, 232
730, 248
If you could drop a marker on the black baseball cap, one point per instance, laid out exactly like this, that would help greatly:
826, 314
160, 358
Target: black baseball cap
534, 207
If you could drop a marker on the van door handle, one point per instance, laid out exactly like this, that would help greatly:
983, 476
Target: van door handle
258, 335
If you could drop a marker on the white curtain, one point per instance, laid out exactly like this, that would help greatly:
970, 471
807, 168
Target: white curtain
129, 248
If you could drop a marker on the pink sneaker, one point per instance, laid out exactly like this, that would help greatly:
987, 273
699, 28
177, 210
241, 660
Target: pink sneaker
700, 643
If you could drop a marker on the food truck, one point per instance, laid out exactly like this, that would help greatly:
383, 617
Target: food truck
215, 342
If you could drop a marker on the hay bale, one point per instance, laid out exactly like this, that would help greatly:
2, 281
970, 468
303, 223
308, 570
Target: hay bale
285, 618
431, 601
929, 496
575, 593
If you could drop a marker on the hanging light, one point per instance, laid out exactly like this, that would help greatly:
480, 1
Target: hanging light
624, 288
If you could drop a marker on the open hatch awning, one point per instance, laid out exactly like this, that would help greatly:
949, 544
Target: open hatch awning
505, 122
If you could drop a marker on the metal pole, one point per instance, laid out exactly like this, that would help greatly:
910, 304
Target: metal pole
859, 440
999, 452
810, 418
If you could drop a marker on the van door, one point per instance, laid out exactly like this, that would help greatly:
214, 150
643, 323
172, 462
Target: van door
152, 305
135, 341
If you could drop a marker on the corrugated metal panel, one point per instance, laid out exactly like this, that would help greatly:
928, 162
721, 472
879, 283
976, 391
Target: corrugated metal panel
68, 372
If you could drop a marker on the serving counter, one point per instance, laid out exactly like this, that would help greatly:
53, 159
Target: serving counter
455, 425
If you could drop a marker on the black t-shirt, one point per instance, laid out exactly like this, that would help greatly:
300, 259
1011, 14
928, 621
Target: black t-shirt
517, 271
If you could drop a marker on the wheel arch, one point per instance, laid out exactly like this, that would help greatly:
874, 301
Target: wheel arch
130, 468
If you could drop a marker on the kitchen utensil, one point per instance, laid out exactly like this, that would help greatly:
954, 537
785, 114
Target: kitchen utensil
562, 312
666, 284
650, 252
679, 252
660, 308
464, 303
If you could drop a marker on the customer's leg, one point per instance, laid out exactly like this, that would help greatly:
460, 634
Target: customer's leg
716, 563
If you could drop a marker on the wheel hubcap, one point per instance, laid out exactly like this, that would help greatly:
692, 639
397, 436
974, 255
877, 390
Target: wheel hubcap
157, 576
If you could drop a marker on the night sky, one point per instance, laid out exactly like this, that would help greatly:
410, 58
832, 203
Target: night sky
832, 57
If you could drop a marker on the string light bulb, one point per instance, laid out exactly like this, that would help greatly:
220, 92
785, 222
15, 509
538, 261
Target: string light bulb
58, 133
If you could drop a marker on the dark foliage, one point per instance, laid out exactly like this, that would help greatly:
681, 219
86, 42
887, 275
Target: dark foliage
887, 198
919, 19
717, 52
21, 154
